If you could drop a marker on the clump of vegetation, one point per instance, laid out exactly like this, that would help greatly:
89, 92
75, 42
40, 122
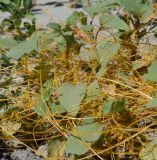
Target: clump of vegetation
87, 90
21, 21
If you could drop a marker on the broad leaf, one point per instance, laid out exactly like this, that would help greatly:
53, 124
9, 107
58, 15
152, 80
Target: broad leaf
152, 73
111, 2
94, 9
113, 22
89, 132
88, 28
71, 96
146, 16
55, 26
25, 47
56, 109
101, 71
76, 146
7, 43
108, 106
77, 17
106, 50
41, 108
47, 90
5, 1
138, 7
54, 42
152, 103
113, 106
27, 4
119, 106
138, 64
101, 7
93, 89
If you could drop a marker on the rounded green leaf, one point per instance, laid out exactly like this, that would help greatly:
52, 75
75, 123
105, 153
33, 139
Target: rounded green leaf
119, 106
89, 132
114, 106
76, 146
41, 107
152, 73
71, 96
7, 42
93, 89
113, 22
106, 50
143, 9
56, 109
94, 9
25, 47
5, 1
152, 103
77, 17
108, 106
55, 26
54, 42
88, 28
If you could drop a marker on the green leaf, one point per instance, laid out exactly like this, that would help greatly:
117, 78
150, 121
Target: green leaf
55, 26
146, 16
76, 146
152, 103
16, 2
93, 89
152, 73
47, 89
154, 30
7, 43
148, 152
111, 2
94, 9
138, 64
113, 22
88, 28
87, 120
71, 96
77, 17
54, 42
27, 4
89, 132
56, 149
114, 106
25, 47
5, 1
119, 106
106, 50
108, 106
56, 109
41, 108
137, 7
101, 7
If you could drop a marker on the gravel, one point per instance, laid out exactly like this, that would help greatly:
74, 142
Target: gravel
24, 155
